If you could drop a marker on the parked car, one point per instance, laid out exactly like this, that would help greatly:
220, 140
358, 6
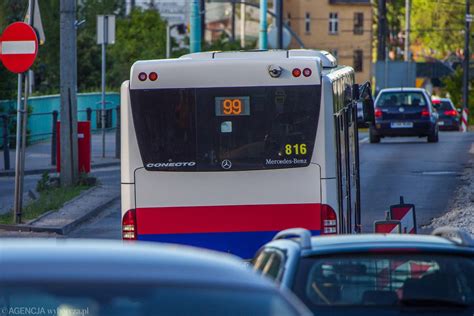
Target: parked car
449, 117
89, 278
374, 274
404, 112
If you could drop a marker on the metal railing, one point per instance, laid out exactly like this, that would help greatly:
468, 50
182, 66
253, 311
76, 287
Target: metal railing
7, 119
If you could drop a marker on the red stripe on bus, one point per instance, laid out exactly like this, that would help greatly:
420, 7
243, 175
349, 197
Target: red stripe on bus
230, 218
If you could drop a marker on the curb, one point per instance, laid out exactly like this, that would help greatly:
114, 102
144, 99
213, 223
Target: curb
11, 173
62, 230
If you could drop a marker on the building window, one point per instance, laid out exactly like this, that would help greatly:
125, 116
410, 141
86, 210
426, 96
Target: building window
333, 23
307, 23
358, 23
358, 60
288, 19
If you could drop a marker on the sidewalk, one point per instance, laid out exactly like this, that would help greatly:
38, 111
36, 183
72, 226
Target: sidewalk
38, 156
38, 160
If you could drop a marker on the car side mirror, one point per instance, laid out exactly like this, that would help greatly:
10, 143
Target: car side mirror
365, 97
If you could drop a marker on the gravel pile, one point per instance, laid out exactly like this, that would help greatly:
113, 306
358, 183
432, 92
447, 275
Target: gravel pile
461, 212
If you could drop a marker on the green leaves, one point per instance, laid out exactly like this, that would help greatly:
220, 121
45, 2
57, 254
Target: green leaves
140, 36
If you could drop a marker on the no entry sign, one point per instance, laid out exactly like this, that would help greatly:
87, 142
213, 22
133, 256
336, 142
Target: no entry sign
19, 46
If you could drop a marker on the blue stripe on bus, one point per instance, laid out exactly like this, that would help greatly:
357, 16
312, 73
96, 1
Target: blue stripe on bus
242, 244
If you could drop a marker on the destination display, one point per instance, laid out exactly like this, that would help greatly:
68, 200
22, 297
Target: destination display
232, 106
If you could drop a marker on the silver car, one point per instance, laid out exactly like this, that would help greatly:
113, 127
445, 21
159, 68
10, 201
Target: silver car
64, 277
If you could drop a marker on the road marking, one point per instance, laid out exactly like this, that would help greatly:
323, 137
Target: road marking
18, 47
471, 151
364, 140
438, 173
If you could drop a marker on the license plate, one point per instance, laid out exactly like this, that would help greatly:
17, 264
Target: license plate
401, 124
440, 123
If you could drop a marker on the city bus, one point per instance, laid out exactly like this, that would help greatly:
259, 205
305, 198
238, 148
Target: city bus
222, 150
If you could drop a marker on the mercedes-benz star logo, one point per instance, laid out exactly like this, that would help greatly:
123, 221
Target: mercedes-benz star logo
226, 164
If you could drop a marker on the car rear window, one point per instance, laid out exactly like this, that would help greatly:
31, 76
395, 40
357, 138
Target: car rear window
90, 299
401, 99
230, 128
443, 106
385, 280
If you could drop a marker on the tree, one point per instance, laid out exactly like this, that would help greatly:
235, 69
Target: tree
10, 11
88, 51
438, 26
452, 85
46, 66
140, 36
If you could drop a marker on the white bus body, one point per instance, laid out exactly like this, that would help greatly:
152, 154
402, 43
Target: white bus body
222, 150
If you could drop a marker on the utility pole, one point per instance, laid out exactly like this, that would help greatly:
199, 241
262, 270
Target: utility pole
467, 35
195, 36
263, 41
382, 34
203, 21
242, 24
68, 85
233, 21
407, 30
279, 23
168, 40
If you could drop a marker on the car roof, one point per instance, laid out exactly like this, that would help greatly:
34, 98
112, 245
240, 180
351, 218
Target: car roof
362, 243
115, 261
403, 89
367, 242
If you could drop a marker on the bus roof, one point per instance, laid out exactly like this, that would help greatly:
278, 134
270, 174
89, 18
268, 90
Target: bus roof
242, 68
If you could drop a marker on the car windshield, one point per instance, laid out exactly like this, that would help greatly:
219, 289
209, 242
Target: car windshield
389, 99
385, 280
443, 106
89, 299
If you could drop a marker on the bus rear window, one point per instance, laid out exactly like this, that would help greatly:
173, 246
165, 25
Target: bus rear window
220, 129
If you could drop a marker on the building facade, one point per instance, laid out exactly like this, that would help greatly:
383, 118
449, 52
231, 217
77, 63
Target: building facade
342, 27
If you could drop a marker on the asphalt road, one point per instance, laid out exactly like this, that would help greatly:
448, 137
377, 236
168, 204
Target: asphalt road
426, 174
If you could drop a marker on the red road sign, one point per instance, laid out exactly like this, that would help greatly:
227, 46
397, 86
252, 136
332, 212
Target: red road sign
405, 213
387, 227
19, 46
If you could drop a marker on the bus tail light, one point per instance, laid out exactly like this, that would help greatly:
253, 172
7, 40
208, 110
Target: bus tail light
378, 113
296, 72
129, 225
328, 220
307, 72
152, 76
142, 76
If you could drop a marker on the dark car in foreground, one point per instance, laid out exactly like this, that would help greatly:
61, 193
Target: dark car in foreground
404, 112
374, 274
449, 117
110, 278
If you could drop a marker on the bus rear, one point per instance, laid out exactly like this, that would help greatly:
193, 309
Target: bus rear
218, 150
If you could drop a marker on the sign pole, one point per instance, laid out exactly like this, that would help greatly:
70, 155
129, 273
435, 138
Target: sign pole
104, 42
18, 178
23, 138
465, 90
168, 40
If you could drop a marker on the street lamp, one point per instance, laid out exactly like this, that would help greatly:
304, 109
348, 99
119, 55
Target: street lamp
181, 30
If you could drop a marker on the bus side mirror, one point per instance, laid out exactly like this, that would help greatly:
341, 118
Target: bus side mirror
367, 102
